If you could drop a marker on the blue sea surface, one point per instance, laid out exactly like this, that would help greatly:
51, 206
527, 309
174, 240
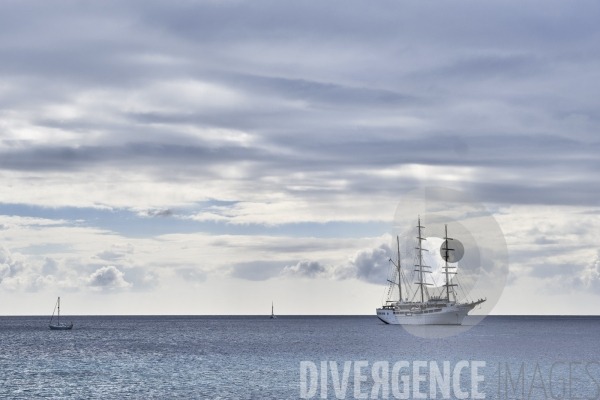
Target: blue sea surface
228, 357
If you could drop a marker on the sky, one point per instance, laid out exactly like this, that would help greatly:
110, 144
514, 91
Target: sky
209, 157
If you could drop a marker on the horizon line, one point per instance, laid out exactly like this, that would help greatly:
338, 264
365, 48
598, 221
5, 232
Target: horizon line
286, 315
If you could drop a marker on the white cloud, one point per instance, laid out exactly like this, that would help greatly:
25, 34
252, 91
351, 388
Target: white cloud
591, 275
108, 278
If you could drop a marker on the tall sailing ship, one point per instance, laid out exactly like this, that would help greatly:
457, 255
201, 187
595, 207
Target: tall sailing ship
424, 306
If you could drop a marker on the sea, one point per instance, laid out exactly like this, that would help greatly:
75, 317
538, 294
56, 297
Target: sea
292, 357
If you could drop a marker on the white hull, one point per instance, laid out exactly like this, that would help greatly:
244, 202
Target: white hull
450, 315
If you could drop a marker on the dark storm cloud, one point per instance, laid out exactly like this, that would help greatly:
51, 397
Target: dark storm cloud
322, 88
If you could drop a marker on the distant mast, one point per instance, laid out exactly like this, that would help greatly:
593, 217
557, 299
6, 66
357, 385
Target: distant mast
272, 311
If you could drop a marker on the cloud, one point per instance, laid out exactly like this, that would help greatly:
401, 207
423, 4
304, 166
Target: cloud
544, 240
192, 274
116, 252
305, 269
5, 256
369, 265
40, 283
10, 269
4, 271
590, 278
574, 277
50, 266
257, 270
108, 278
158, 213
131, 119
142, 278
18, 274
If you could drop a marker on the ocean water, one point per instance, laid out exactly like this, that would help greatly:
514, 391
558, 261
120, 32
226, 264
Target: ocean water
203, 357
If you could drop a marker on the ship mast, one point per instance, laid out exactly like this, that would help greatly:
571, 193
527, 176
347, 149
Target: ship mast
399, 270
446, 258
420, 265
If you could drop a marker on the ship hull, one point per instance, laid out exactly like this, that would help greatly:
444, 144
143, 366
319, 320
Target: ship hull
61, 327
453, 315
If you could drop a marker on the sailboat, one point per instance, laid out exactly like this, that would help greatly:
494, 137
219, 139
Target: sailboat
58, 326
423, 306
272, 313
